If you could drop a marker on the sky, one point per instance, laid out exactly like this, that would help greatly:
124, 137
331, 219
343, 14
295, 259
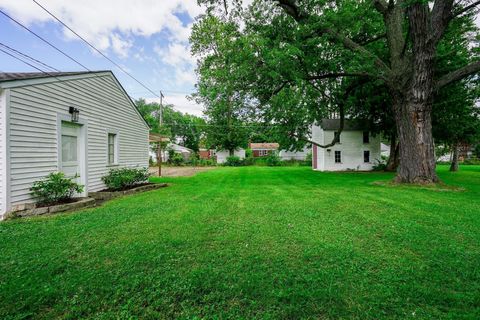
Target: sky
148, 38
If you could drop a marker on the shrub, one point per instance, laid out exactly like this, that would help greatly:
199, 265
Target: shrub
124, 178
55, 188
273, 160
233, 161
308, 158
471, 161
380, 165
177, 159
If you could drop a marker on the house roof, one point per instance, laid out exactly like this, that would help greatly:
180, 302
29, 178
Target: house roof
156, 137
265, 145
9, 79
11, 76
348, 125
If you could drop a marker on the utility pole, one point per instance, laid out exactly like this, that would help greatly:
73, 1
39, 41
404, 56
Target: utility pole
159, 149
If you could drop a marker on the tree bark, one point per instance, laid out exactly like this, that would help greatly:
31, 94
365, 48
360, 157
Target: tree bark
414, 131
454, 164
393, 159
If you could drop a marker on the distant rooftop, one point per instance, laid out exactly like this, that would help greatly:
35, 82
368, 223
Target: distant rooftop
266, 145
10, 76
349, 125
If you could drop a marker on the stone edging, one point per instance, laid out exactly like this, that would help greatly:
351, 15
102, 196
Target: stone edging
107, 195
91, 201
83, 203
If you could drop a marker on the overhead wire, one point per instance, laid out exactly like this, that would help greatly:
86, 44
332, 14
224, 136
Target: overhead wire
97, 50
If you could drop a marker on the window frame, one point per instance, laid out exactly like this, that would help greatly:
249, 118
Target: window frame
366, 152
339, 134
366, 141
339, 156
115, 135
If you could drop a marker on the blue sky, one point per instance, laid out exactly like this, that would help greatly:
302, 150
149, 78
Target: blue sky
149, 38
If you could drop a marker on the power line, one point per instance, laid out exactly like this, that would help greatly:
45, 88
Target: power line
43, 39
88, 93
94, 48
27, 57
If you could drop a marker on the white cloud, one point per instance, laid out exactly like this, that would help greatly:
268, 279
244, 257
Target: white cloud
109, 23
177, 55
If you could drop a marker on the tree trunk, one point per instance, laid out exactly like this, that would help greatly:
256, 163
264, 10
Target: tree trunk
413, 104
454, 164
393, 159
231, 152
417, 155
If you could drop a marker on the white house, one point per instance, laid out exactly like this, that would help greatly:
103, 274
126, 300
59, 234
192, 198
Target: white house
184, 151
222, 155
294, 155
357, 150
80, 123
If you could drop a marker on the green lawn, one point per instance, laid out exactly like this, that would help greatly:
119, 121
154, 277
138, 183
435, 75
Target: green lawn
253, 242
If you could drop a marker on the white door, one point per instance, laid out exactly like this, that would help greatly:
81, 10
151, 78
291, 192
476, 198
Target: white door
70, 153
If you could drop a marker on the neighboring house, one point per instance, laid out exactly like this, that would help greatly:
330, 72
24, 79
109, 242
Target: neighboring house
263, 149
222, 155
207, 154
357, 150
294, 155
80, 123
385, 150
184, 151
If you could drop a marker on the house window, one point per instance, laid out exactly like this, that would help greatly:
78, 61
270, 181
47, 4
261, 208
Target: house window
112, 148
366, 156
338, 156
337, 136
366, 137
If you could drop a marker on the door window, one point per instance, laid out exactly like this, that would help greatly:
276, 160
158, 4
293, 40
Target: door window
69, 148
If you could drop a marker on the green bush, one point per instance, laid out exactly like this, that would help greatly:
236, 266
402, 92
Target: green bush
177, 159
233, 161
55, 188
273, 160
471, 161
380, 165
124, 178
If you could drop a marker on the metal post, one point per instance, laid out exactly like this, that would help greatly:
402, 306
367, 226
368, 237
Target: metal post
159, 150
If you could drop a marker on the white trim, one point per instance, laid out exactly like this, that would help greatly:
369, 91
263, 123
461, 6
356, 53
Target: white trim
51, 79
5, 127
117, 147
83, 122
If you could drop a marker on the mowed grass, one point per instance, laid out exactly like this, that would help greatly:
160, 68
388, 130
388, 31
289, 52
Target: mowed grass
253, 242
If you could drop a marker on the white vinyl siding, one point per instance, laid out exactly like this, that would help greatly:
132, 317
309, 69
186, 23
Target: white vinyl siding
351, 150
3, 151
33, 126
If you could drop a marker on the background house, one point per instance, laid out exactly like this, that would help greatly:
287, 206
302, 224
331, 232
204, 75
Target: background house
357, 149
80, 123
184, 151
263, 149
222, 155
301, 155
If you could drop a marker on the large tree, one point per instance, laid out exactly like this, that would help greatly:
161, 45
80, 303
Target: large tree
395, 42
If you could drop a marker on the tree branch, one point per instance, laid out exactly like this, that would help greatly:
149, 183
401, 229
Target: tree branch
291, 8
381, 6
458, 74
339, 75
375, 38
440, 17
465, 9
